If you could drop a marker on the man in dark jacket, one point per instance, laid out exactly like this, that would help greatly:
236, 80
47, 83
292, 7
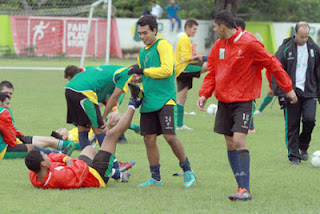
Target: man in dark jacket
300, 57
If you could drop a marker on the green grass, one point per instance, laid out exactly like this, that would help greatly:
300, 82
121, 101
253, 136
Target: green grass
39, 107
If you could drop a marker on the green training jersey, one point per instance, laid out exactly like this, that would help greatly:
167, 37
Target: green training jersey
101, 80
156, 91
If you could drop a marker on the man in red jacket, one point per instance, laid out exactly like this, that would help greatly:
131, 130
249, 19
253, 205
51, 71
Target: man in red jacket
234, 66
91, 169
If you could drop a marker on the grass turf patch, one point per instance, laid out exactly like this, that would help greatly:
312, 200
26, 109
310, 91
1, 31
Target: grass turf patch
39, 106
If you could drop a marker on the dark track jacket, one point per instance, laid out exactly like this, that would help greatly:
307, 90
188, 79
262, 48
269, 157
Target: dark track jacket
287, 55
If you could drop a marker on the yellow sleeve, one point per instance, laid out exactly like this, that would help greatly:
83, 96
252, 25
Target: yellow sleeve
167, 59
186, 48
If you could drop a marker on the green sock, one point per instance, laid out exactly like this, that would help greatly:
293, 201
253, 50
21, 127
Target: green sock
180, 114
134, 127
77, 146
265, 102
63, 144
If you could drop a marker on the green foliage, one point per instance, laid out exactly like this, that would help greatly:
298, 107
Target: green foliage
253, 10
284, 10
189, 9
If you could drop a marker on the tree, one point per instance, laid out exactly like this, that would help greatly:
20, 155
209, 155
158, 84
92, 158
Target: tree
231, 5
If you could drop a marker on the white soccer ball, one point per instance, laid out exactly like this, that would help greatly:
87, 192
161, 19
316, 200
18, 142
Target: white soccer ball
212, 109
315, 159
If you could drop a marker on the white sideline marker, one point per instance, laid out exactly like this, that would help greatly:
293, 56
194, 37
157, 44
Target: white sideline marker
33, 68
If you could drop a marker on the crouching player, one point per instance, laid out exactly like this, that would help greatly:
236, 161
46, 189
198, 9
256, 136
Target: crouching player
91, 169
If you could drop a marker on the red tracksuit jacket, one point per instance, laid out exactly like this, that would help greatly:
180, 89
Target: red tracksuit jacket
235, 66
61, 176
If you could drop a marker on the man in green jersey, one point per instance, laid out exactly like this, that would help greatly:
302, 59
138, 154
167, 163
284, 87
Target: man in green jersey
85, 90
159, 100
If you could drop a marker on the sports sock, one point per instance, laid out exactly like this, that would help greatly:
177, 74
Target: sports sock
46, 151
251, 125
265, 102
180, 114
244, 164
233, 157
77, 146
116, 174
83, 139
185, 166
155, 172
115, 163
122, 137
62, 144
134, 127
100, 138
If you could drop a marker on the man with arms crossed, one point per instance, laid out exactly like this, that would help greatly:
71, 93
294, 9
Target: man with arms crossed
234, 66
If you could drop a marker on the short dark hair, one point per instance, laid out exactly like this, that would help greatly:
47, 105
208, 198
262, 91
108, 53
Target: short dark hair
148, 20
33, 160
301, 24
3, 96
226, 18
5, 83
71, 71
240, 23
190, 23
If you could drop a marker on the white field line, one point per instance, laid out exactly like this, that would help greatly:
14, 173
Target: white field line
33, 68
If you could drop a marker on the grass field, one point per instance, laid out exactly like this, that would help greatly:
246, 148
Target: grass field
38, 106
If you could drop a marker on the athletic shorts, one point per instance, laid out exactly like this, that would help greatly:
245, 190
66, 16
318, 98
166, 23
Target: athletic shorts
81, 111
85, 159
233, 117
19, 151
25, 139
190, 72
159, 122
103, 163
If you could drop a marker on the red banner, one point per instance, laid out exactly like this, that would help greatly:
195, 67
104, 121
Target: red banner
63, 35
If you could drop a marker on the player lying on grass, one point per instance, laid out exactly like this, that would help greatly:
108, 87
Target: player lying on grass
40, 141
90, 169
9, 148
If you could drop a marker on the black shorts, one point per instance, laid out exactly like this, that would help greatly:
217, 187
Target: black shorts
159, 122
25, 139
233, 117
186, 77
81, 111
19, 151
103, 163
85, 159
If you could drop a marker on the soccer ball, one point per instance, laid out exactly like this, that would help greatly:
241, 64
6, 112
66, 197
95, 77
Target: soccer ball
212, 109
315, 159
